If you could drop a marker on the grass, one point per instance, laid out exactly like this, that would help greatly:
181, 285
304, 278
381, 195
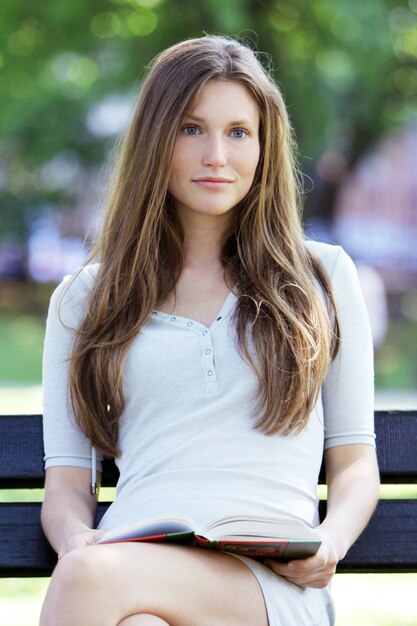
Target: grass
21, 341
375, 599
21, 600
396, 359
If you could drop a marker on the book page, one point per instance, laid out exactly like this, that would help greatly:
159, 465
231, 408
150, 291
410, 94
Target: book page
147, 528
252, 526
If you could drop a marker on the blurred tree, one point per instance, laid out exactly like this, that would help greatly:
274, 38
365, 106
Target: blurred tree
348, 70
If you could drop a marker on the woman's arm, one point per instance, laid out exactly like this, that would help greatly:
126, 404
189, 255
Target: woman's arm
353, 488
353, 484
68, 509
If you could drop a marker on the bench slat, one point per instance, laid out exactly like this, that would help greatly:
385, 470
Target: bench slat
388, 543
21, 450
24, 550
21, 454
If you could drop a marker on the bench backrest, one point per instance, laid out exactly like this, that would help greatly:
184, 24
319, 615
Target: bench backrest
388, 544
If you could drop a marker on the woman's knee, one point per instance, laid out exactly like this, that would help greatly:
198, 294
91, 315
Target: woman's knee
77, 568
75, 580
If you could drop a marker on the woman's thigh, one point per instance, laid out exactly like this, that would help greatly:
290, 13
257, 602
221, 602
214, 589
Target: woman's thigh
102, 585
144, 619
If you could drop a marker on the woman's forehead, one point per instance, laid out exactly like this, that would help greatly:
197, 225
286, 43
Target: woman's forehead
217, 92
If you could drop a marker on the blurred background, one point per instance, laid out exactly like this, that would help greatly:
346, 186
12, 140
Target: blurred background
69, 74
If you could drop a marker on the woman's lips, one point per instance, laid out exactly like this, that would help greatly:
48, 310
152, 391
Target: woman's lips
213, 183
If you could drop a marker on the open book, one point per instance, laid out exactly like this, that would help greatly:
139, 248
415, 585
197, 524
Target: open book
249, 535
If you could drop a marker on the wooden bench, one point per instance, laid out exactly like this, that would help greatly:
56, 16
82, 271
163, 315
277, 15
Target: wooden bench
388, 544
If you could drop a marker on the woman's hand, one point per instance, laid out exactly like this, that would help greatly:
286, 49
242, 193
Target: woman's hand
315, 571
80, 539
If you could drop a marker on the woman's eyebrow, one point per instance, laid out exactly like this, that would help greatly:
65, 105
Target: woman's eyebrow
241, 122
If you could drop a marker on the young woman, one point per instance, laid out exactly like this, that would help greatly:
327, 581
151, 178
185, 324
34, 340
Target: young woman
214, 353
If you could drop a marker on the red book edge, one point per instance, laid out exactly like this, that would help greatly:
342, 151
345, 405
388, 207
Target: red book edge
251, 548
136, 539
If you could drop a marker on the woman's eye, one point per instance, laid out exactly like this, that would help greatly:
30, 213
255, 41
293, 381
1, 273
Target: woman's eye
189, 129
239, 133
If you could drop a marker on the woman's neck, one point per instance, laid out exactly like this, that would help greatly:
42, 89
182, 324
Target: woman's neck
202, 244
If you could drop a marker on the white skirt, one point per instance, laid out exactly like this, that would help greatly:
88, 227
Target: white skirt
290, 605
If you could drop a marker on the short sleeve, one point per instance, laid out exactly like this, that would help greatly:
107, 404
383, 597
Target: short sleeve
64, 443
348, 391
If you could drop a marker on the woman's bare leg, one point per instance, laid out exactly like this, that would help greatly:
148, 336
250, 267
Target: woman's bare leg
143, 620
104, 585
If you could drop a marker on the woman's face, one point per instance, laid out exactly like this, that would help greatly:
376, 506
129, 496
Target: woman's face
216, 151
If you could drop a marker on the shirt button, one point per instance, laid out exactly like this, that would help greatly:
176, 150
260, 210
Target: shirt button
205, 332
208, 351
172, 319
189, 324
210, 372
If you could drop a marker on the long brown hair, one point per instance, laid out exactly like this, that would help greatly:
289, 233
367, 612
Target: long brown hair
280, 310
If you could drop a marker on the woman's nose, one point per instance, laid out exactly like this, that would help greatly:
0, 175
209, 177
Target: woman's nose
215, 153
